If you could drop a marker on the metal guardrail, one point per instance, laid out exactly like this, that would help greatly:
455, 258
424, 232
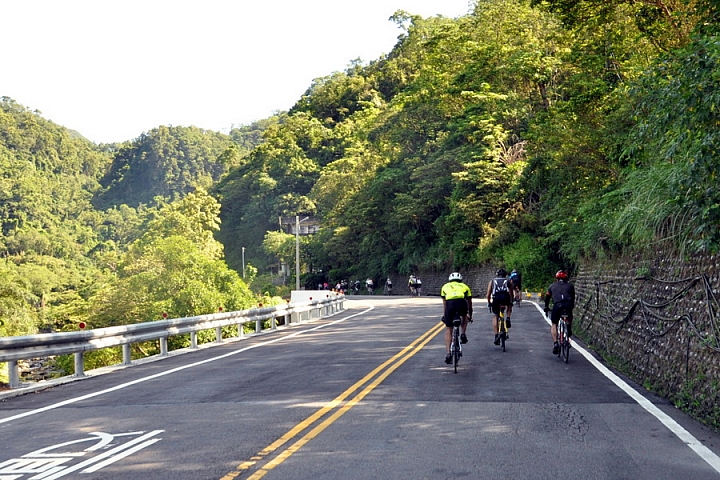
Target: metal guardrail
27, 347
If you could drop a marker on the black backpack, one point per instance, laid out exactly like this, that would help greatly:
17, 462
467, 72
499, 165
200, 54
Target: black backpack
500, 293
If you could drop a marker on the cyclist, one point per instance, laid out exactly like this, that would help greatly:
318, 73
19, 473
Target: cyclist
370, 284
388, 286
562, 294
500, 293
516, 279
412, 283
457, 298
418, 286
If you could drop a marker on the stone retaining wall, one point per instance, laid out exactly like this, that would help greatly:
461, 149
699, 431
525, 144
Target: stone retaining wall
657, 320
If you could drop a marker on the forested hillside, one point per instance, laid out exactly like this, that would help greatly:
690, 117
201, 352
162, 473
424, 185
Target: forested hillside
528, 134
112, 234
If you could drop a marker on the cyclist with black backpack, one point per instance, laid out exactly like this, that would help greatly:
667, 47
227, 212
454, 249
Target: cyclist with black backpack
500, 293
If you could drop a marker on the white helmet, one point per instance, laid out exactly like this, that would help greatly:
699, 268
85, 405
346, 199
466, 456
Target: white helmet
455, 276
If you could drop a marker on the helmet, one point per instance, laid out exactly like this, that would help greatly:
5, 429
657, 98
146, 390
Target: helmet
455, 276
501, 273
561, 275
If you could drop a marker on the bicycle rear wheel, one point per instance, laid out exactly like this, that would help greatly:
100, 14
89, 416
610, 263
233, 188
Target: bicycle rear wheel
456, 347
502, 329
565, 350
564, 341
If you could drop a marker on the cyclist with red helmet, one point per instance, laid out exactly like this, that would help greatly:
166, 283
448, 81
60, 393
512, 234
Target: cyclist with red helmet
562, 294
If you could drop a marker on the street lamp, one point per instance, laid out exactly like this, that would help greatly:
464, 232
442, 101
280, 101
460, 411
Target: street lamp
297, 250
243, 261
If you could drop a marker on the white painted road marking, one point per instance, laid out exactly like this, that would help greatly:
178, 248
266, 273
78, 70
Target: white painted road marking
49, 466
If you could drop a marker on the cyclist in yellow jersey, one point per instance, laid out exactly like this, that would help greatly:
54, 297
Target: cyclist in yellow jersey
457, 298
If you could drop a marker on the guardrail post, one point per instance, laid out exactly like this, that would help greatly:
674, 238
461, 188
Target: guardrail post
218, 334
127, 357
258, 326
163, 346
193, 340
79, 364
241, 330
13, 374
273, 323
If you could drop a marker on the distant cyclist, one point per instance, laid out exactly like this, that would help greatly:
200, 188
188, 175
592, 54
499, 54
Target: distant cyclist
500, 294
562, 294
388, 286
370, 285
516, 279
412, 284
457, 299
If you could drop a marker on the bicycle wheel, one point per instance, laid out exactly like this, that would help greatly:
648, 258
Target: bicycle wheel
456, 347
502, 331
503, 334
565, 345
564, 352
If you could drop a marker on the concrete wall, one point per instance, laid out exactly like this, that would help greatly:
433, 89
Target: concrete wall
657, 319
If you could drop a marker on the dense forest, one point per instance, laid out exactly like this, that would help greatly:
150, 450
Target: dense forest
531, 134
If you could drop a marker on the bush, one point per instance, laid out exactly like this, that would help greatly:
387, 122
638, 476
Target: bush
529, 256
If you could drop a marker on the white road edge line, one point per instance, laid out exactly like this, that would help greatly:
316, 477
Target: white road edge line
177, 369
692, 442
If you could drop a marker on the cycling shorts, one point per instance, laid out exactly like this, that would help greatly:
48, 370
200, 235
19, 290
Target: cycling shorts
557, 310
455, 306
495, 306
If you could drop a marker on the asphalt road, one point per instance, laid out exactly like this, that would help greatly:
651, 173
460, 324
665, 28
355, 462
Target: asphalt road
364, 394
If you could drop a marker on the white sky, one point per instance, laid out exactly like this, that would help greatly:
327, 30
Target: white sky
113, 69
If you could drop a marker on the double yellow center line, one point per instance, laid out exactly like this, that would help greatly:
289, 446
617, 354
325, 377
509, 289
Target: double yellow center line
340, 406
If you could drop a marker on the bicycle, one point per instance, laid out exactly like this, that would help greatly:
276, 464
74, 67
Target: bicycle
413, 291
563, 338
518, 296
502, 328
388, 290
456, 345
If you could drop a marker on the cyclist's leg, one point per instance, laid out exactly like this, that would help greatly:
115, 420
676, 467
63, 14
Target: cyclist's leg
554, 318
447, 321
